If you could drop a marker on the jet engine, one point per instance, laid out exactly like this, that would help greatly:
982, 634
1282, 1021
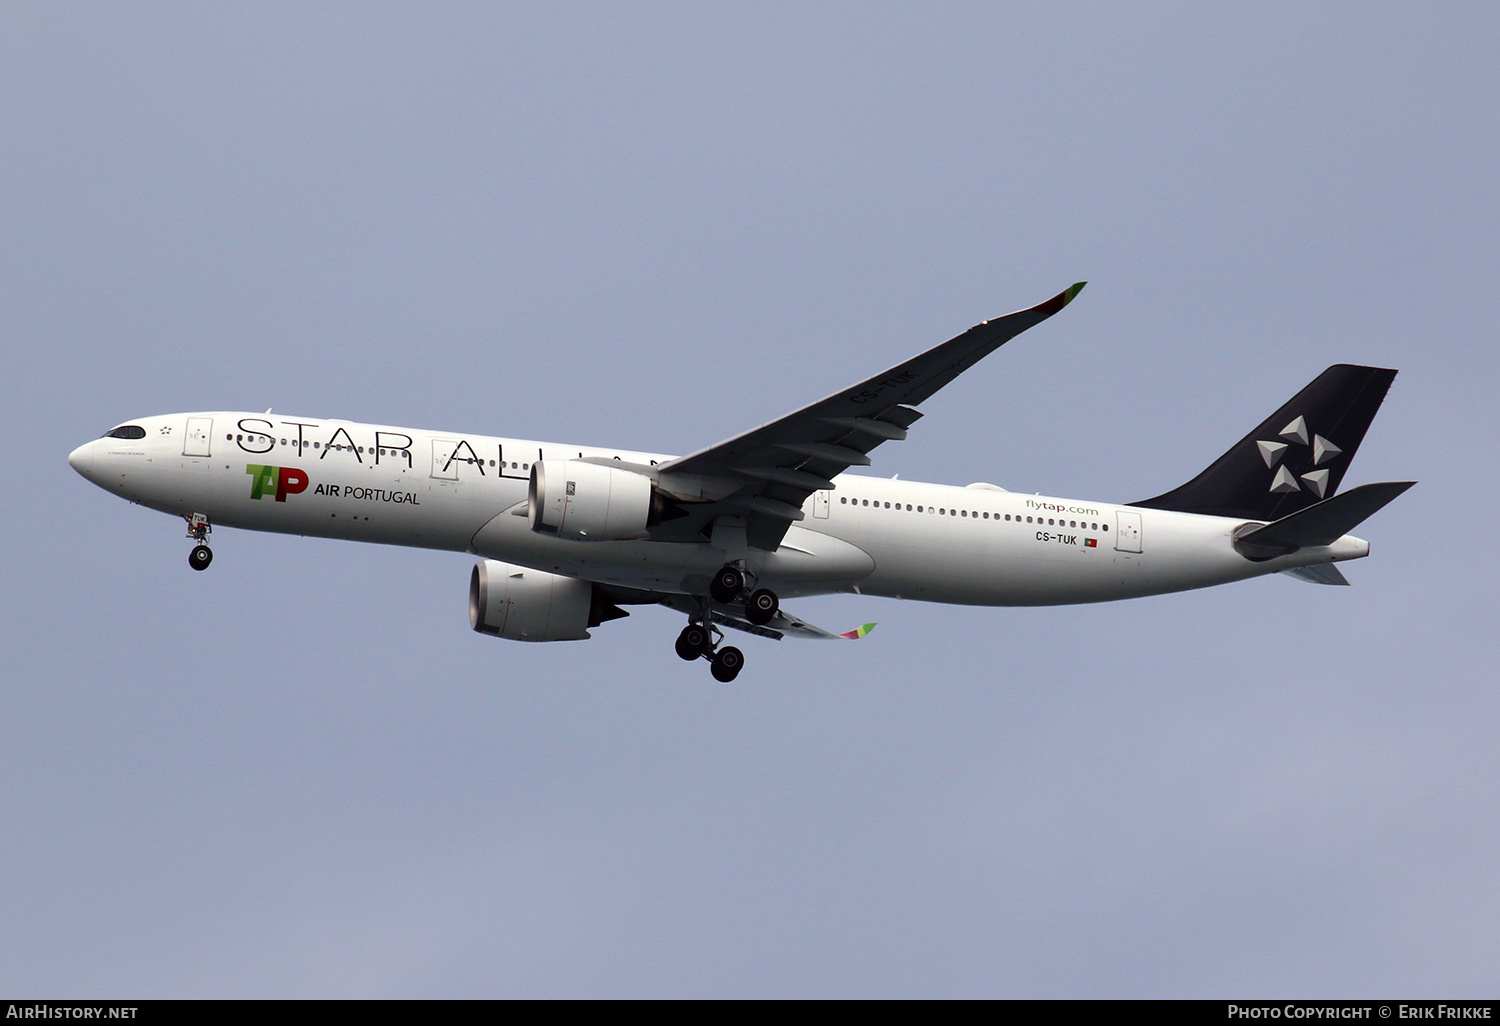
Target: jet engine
522, 604
592, 502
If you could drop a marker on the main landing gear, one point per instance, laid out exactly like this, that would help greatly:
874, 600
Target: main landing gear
700, 641
198, 529
728, 587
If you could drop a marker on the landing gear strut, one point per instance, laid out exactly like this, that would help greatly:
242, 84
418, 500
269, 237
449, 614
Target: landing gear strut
701, 641
198, 530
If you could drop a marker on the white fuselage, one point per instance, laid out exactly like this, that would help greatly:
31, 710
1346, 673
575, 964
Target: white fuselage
447, 490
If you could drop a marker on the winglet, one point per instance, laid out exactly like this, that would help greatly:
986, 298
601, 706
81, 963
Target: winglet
1062, 299
858, 632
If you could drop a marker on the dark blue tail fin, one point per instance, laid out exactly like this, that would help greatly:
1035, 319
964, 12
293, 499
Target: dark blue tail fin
1296, 458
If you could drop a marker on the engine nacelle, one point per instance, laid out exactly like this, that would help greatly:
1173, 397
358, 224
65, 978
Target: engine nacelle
522, 604
589, 502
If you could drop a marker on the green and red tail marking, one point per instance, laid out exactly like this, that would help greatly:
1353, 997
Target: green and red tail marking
858, 632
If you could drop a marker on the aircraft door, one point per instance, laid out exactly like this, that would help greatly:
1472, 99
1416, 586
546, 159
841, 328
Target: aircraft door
820, 504
444, 466
1127, 531
200, 432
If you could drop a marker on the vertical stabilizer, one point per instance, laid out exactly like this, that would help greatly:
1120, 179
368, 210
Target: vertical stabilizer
1297, 456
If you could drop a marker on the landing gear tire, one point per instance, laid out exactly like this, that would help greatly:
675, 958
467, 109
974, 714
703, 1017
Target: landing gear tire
200, 557
727, 663
693, 642
727, 584
762, 607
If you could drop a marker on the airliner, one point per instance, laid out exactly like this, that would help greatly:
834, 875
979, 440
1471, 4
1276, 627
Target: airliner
568, 535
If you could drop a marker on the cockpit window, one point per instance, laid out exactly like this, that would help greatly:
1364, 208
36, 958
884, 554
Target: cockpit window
128, 431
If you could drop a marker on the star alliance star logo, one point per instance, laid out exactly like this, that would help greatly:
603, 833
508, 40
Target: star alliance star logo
166, 430
1285, 482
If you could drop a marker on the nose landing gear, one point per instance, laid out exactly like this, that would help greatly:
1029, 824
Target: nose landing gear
198, 530
700, 641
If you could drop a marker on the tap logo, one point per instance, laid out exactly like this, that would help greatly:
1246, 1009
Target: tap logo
278, 481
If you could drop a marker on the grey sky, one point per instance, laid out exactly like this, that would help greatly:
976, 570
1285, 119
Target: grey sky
652, 226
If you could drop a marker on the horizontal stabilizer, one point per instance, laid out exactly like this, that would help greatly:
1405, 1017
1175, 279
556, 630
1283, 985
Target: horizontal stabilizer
1318, 573
1321, 524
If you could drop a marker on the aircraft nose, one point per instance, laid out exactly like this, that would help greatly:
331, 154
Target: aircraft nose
81, 459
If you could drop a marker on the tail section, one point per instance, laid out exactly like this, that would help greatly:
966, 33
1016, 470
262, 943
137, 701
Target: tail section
1296, 458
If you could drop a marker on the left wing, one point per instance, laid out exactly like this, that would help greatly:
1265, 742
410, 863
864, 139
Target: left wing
781, 625
775, 467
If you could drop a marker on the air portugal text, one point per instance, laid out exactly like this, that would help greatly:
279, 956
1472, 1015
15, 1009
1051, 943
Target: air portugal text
279, 482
